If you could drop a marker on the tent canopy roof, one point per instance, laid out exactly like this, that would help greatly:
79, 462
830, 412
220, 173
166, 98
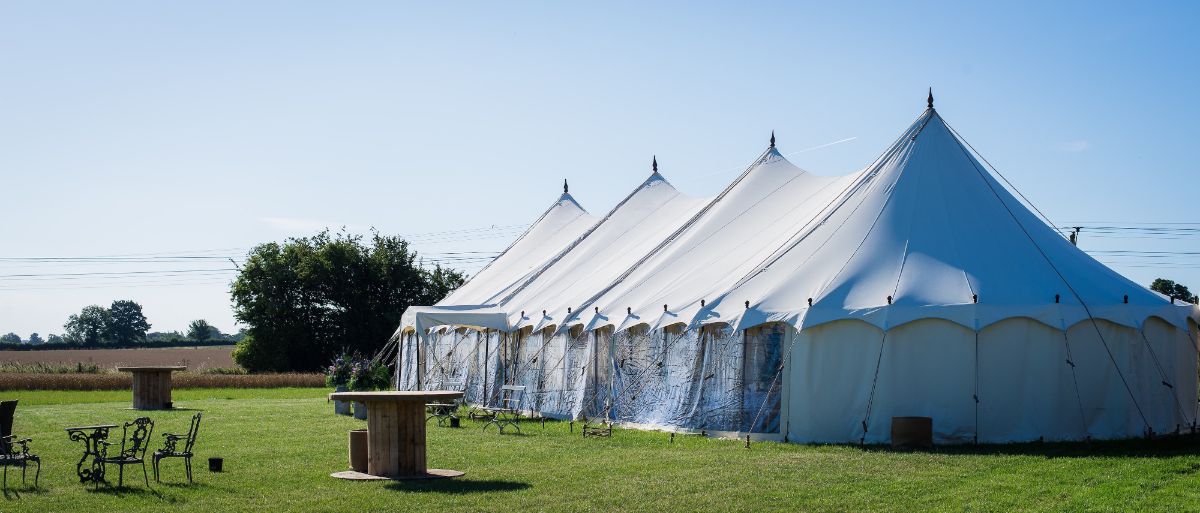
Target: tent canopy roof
925, 231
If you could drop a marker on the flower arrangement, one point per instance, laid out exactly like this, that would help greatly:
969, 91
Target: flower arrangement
338, 372
368, 375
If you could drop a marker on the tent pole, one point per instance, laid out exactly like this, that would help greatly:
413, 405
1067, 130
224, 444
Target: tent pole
745, 384
420, 362
612, 375
400, 348
486, 338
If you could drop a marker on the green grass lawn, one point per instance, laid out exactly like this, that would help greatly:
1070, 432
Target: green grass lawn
280, 446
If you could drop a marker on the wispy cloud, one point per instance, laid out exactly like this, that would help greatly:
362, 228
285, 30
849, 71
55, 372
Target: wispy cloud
292, 224
1075, 146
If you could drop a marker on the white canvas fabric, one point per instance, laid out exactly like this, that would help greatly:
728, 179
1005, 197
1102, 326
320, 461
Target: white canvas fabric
559, 226
815, 309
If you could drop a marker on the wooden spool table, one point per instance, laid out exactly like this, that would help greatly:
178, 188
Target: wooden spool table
151, 386
396, 434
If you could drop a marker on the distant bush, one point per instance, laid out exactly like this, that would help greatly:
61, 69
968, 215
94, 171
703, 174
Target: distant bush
226, 371
123, 381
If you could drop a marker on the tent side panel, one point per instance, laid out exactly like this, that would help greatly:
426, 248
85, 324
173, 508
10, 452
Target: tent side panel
830, 374
762, 371
927, 369
1176, 354
1026, 385
1108, 408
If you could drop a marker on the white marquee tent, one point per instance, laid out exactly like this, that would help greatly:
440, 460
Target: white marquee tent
814, 309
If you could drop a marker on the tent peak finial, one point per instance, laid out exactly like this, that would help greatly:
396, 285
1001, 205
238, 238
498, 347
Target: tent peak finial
772, 138
929, 100
564, 185
654, 163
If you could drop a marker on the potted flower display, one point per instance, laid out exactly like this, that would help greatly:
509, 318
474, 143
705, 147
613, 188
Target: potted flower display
366, 375
337, 375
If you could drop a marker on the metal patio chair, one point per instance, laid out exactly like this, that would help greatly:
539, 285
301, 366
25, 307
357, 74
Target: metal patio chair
445, 410
508, 413
15, 452
133, 448
171, 448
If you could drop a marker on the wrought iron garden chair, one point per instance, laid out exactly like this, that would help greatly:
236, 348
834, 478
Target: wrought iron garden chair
601, 428
508, 413
10, 454
171, 448
445, 410
133, 448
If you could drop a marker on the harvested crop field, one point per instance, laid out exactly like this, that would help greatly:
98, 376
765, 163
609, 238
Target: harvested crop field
195, 358
123, 381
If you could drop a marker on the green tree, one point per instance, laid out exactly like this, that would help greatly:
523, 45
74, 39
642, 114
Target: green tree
10, 338
55, 339
200, 330
1174, 290
89, 326
306, 300
34, 338
170, 336
126, 324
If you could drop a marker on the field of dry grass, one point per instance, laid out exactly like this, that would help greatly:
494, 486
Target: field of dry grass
195, 358
95, 369
123, 381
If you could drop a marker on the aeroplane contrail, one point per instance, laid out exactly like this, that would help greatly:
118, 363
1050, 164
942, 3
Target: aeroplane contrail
826, 145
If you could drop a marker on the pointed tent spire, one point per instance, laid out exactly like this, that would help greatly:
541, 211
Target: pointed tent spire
772, 138
564, 185
654, 164
930, 99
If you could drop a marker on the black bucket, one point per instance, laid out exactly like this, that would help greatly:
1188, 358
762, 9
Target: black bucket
216, 464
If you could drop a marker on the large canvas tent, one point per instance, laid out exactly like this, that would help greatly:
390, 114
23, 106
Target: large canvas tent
809, 308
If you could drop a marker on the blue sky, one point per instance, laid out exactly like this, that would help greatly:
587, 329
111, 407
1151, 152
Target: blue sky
204, 128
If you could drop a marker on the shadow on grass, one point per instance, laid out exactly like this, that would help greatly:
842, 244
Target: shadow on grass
13, 493
122, 491
457, 486
506, 433
184, 485
1165, 447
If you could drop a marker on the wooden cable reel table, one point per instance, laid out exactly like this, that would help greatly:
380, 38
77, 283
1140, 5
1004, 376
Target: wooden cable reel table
396, 434
152, 386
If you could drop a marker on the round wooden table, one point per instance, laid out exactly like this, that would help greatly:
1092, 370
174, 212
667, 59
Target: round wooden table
151, 386
396, 434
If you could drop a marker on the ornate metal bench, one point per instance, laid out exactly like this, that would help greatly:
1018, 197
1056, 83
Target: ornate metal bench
10, 455
171, 448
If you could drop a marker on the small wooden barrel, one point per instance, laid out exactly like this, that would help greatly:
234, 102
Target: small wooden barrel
912, 432
358, 450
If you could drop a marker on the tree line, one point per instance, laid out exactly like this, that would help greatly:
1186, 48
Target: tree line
122, 324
